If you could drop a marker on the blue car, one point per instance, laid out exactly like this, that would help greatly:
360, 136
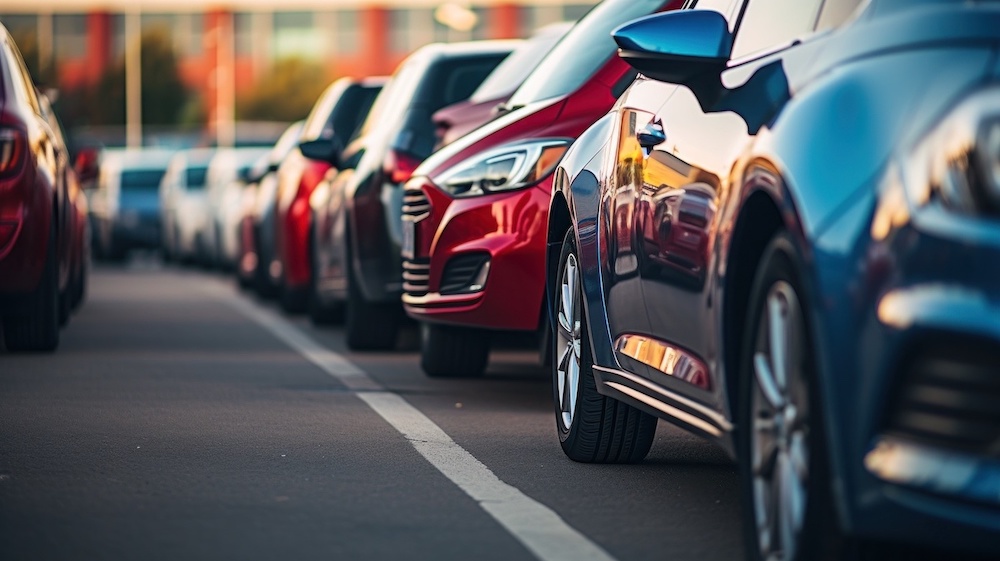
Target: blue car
785, 237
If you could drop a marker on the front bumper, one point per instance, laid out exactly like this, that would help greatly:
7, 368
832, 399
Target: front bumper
909, 326
504, 232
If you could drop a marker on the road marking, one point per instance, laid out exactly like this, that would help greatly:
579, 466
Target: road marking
536, 526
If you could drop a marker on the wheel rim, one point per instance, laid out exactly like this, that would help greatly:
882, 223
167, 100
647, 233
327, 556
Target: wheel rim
780, 435
568, 341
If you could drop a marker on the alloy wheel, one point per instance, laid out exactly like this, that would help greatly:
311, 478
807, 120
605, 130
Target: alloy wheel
568, 340
780, 418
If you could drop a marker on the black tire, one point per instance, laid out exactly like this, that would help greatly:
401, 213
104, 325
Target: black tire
65, 304
80, 286
602, 429
820, 537
38, 331
370, 326
453, 352
320, 313
293, 300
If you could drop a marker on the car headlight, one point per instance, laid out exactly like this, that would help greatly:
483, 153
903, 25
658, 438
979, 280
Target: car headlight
505, 168
957, 165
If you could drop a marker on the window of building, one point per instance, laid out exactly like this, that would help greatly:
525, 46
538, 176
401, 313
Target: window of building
348, 31
573, 12
770, 23
189, 34
411, 29
70, 35
296, 35
20, 24
534, 17
243, 34
117, 37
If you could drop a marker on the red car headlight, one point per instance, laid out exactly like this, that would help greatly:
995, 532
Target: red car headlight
505, 168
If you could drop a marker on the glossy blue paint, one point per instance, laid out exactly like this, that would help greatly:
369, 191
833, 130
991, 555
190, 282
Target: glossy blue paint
820, 128
700, 34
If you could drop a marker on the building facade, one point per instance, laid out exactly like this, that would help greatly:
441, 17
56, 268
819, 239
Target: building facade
234, 42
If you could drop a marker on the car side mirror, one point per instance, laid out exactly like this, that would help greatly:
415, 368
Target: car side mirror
689, 47
86, 166
323, 149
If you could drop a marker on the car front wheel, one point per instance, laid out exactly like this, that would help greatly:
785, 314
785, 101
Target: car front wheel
592, 428
784, 468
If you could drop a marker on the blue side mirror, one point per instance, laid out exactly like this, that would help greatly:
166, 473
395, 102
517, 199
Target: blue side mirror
689, 47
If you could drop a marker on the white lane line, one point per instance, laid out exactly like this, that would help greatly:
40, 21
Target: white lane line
535, 525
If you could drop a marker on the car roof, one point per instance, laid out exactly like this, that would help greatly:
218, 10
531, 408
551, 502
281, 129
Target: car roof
137, 158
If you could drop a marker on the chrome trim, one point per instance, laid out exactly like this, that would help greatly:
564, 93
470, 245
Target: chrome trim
710, 415
674, 412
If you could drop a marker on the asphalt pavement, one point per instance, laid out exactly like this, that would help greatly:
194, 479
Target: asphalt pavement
184, 419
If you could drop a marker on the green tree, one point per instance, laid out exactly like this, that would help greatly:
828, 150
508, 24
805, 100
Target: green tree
164, 96
44, 76
285, 93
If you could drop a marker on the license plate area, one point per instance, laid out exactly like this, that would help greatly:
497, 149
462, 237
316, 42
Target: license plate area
409, 238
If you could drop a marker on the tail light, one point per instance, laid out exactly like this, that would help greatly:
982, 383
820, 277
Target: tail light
399, 166
12, 149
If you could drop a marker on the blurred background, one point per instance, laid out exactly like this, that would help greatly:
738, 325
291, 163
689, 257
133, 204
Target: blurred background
237, 72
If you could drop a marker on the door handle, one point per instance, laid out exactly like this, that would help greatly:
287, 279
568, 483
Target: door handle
651, 135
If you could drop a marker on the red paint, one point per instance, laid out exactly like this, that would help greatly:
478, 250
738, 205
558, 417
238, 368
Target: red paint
298, 176
511, 226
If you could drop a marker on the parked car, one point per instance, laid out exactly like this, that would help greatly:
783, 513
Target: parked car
126, 204
789, 245
225, 187
357, 256
334, 119
36, 212
187, 218
257, 223
76, 234
458, 119
474, 214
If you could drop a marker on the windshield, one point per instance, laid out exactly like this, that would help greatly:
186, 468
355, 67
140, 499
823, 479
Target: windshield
142, 180
581, 52
513, 70
318, 121
195, 178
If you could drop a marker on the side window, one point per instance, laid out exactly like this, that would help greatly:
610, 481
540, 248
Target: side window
771, 23
836, 12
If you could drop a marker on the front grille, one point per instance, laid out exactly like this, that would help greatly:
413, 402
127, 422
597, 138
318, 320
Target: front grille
415, 204
416, 276
460, 272
951, 399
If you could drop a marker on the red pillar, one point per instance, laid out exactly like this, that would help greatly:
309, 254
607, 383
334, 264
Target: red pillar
375, 34
209, 93
505, 21
98, 44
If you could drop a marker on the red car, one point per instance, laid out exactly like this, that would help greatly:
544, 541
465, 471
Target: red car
488, 101
475, 212
336, 115
37, 212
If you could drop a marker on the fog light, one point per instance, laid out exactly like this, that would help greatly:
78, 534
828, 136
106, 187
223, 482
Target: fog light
480, 281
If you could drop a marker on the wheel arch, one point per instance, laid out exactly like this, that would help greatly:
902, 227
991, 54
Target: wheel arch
760, 219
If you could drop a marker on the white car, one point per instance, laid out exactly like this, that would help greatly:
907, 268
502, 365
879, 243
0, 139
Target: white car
225, 193
124, 206
184, 206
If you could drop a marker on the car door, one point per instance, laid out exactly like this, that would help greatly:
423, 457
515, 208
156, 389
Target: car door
686, 181
627, 316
